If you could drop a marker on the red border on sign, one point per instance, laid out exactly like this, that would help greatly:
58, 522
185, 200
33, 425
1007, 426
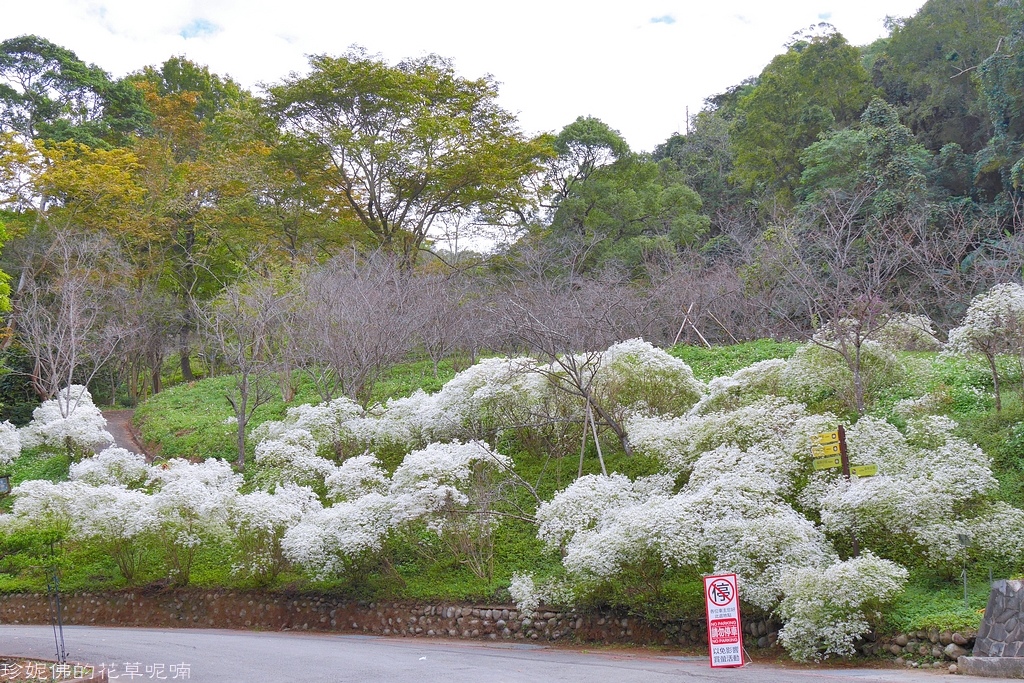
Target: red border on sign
739, 621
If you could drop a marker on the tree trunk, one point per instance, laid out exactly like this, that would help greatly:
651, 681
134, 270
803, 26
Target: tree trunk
184, 355
995, 380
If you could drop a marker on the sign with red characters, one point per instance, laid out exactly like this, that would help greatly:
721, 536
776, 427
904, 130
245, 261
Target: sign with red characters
725, 632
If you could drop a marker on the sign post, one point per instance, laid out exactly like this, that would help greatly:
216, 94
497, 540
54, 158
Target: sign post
829, 450
725, 632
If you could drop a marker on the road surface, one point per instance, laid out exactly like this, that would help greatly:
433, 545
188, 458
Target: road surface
242, 656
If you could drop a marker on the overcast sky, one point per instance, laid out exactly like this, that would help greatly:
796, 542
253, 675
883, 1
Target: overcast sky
636, 64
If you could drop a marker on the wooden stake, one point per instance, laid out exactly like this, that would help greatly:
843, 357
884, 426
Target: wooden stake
845, 459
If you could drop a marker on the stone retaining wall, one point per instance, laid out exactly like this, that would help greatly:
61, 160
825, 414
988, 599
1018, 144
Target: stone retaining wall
275, 611
1002, 629
940, 645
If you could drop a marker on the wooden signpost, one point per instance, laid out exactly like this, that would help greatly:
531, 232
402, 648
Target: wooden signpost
829, 450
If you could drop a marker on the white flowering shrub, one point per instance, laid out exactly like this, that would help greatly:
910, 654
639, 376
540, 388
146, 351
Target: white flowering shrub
444, 478
45, 506
483, 398
925, 480
826, 609
118, 520
993, 324
578, 507
449, 488
355, 478
818, 373
679, 442
10, 443
529, 594
638, 377
191, 502
328, 541
259, 522
70, 423
743, 387
327, 424
114, 466
291, 457
908, 332
765, 549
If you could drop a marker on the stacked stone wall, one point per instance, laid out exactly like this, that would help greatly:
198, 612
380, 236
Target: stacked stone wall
275, 612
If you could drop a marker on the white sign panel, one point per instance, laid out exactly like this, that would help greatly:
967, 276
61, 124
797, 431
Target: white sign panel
725, 632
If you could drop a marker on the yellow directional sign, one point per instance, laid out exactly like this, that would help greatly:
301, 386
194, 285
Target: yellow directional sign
825, 463
864, 470
825, 451
825, 438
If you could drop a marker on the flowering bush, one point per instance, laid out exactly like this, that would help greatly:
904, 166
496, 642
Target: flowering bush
115, 466
638, 377
925, 481
355, 478
117, 520
259, 521
326, 423
290, 457
10, 443
743, 387
191, 502
826, 609
329, 540
817, 371
46, 506
70, 422
993, 324
679, 442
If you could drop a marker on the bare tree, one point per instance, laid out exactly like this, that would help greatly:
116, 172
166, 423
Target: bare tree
833, 267
352, 321
69, 312
568, 320
240, 325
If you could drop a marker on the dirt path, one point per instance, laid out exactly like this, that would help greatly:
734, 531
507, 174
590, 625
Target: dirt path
119, 424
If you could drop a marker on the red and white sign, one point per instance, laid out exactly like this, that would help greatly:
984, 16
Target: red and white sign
725, 631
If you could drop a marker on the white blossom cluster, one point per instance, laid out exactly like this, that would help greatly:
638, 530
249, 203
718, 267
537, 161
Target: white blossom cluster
10, 443
640, 377
929, 488
743, 455
825, 608
993, 322
494, 394
434, 485
69, 421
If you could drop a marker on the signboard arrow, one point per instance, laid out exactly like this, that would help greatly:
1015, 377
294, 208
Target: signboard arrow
825, 438
864, 470
825, 463
824, 451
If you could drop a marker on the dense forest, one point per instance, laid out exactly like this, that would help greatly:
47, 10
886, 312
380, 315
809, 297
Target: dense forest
172, 224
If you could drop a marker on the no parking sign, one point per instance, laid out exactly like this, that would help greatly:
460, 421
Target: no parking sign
725, 632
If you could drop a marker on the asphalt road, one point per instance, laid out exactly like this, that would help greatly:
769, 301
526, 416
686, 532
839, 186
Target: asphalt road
245, 656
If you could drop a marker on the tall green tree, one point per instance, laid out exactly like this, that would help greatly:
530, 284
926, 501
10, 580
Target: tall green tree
879, 155
409, 145
620, 206
47, 92
817, 84
193, 170
927, 69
